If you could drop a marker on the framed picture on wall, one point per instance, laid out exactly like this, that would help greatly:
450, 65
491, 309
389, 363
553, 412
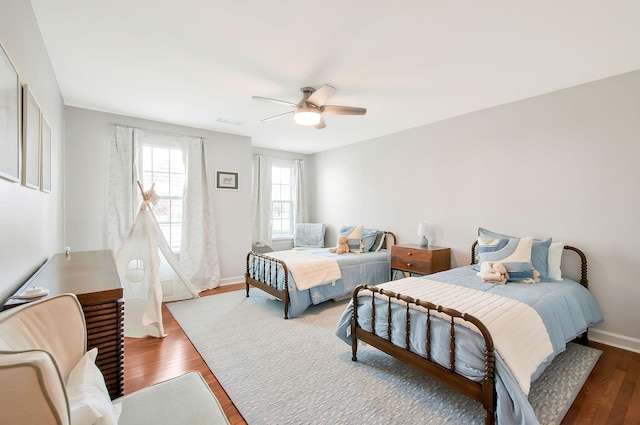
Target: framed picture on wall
9, 119
31, 134
226, 180
45, 163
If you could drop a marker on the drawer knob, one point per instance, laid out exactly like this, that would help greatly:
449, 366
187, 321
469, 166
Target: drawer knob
410, 253
408, 264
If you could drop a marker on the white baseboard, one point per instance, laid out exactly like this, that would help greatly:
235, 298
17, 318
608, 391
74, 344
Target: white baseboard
231, 280
615, 340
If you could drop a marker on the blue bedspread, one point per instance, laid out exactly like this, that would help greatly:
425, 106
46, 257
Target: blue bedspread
567, 309
370, 268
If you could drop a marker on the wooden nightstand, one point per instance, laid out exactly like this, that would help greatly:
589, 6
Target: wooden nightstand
416, 259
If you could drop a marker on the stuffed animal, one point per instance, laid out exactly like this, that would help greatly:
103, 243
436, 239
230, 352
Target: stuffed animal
493, 272
341, 247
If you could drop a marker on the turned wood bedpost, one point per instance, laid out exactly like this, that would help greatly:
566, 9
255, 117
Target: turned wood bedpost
473, 252
354, 322
584, 281
285, 288
388, 318
246, 275
489, 396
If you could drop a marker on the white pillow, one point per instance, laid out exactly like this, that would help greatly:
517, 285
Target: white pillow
554, 258
89, 401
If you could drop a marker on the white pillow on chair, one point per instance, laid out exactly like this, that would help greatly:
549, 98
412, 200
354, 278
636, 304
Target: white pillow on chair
89, 401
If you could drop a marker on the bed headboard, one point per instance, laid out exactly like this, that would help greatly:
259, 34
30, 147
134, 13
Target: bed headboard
584, 281
389, 239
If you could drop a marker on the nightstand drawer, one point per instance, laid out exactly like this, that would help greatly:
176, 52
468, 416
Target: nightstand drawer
420, 260
408, 258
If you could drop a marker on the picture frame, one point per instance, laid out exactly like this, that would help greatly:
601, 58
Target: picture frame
226, 180
45, 162
31, 134
10, 142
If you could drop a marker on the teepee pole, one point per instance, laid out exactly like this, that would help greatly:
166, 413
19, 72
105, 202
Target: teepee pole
144, 206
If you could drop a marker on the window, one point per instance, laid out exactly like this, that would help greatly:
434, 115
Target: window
163, 166
282, 202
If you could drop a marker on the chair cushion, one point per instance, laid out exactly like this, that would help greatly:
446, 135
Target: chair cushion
186, 399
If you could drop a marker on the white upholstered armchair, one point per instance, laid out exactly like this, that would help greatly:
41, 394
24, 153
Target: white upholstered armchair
309, 235
46, 377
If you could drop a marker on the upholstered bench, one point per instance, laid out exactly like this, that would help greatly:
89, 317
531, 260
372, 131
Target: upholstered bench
48, 377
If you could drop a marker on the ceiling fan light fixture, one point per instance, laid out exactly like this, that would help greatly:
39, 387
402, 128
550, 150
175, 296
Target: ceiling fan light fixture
307, 116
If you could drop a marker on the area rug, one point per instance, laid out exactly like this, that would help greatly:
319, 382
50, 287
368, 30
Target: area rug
297, 371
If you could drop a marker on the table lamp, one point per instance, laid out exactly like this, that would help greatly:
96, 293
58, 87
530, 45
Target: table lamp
423, 231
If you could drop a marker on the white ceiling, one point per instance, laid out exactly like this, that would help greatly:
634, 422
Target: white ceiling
410, 63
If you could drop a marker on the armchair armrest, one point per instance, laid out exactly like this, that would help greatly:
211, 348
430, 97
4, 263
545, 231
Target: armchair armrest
36, 392
55, 325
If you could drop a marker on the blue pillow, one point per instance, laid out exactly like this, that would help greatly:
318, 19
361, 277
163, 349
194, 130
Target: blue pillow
513, 253
368, 238
539, 251
379, 241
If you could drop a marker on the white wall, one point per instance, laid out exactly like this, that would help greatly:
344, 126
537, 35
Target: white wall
30, 220
88, 134
564, 164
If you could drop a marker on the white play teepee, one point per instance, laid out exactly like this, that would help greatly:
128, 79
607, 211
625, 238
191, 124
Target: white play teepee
149, 272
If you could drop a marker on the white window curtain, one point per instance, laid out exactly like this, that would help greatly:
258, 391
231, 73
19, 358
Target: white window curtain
262, 199
198, 250
122, 189
300, 213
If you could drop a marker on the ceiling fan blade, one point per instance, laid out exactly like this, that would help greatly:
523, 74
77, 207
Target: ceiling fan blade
342, 110
320, 96
277, 116
280, 102
320, 125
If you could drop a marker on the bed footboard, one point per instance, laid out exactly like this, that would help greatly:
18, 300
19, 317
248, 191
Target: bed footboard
483, 391
264, 272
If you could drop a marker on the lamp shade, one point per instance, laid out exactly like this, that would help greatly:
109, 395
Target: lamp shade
306, 116
423, 229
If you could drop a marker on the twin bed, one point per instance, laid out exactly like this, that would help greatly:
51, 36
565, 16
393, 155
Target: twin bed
487, 341
271, 272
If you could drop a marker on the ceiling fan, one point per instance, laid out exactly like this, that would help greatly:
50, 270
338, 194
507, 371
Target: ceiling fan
312, 106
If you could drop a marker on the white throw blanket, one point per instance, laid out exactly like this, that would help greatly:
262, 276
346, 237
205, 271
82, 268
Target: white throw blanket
309, 270
519, 334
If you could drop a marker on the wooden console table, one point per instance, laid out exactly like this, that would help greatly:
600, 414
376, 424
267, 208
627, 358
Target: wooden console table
92, 276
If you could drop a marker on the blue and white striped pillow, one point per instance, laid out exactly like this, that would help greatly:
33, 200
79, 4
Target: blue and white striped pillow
513, 253
354, 237
539, 251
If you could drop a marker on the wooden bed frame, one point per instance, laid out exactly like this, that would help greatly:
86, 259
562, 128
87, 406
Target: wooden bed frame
261, 277
483, 391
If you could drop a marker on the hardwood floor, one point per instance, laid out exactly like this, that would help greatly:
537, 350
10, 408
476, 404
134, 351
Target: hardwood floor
611, 394
152, 360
